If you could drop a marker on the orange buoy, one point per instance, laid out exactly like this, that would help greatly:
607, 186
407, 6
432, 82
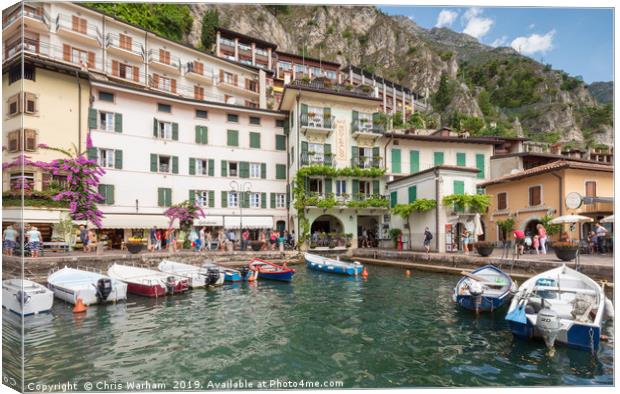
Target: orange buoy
253, 277
364, 273
408, 273
79, 306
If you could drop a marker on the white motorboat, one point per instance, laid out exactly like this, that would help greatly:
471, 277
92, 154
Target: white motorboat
26, 297
334, 266
147, 282
69, 284
560, 305
196, 276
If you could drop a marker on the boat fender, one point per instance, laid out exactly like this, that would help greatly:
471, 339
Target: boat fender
364, 273
79, 306
170, 284
22, 297
549, 325
609, 309
103, 288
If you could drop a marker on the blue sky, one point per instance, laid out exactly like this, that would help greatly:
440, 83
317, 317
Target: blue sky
576, 40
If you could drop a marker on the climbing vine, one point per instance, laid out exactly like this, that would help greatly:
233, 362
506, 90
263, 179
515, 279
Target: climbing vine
476, 202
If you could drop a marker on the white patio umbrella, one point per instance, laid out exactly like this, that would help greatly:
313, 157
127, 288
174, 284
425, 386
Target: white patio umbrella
608, 219
571, 219
478, 226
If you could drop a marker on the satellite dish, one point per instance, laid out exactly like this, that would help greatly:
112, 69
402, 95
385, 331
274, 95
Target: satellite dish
573, 200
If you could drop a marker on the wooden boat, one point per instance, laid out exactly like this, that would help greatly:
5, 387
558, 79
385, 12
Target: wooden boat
196, 276
230, 274
484, 290
26, 297
268, 270
560, 305
69, 284
147, 282
333, 266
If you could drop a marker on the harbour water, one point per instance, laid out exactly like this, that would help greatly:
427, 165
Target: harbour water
387, 331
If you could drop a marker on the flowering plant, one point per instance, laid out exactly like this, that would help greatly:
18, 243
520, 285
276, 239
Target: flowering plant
185, 212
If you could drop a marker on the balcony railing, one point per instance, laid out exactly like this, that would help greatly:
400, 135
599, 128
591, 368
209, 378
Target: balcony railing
226, 41
366, 126
136, 49
89, 35
318, 121
28, 12
314, 158
139, 77
45, 49
239, 85
366, 162
359, 200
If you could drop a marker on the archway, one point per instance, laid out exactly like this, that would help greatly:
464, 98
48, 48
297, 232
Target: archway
530, 227
327, 224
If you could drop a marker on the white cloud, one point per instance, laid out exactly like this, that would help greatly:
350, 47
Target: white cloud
446, 18
476, 25
499, 42
533, 43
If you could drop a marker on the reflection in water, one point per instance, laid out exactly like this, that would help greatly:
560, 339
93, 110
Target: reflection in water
388, 331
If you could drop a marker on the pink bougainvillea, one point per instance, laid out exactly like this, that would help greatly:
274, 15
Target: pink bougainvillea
185, 212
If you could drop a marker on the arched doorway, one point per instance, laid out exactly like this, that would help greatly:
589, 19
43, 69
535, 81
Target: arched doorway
530, 227
327, 224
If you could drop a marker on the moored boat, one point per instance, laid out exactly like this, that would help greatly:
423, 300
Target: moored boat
196, 276
560, 305
147, 282
485, 289
325, 264
230, 274
268, 270
26, 297
69, 284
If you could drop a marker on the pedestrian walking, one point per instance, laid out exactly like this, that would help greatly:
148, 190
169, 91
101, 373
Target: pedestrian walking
601, 233
84, 239
34, 242
9, 238
542, 237
428, 236
152, 238
519, 236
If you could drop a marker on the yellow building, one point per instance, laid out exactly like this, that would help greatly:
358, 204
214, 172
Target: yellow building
529, 195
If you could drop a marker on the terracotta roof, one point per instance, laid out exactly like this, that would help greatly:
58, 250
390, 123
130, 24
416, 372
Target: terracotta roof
466, 140
547, 155
551, 167
441, 167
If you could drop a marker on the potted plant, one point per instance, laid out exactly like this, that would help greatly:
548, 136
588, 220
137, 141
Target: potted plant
312, 245
484, 248
256, 245
332, 244
394, 234
565, 251
134, 245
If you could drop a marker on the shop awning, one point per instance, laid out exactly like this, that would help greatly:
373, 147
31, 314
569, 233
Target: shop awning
136, 221
215, 221
16, 214
234, 222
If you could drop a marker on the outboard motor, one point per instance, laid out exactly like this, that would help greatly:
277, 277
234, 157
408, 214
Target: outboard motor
171, 283
22, 297
244, 272
103, 288
213, 275
549, 325
476, 290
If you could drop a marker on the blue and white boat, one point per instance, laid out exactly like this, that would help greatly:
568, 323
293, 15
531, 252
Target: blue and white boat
484, 290
230, 274
26, 297
69, 284
333, 266
560, 305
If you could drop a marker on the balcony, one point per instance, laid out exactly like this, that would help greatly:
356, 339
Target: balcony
126, 73
366, 162
317, 123
34, 18
133, 51
87, 33
163, 85
318, 159
364, 128
170, 65
359, 200
199, 74
248, 87
44, 49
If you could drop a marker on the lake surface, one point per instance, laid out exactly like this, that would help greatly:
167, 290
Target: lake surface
387, 331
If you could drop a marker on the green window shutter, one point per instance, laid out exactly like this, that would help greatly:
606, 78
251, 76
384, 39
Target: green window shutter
355, 188
92, 118
168, 196
263, 200
376, 121
109, 195
376, 153
211, 199
244, 169
328, 185
263, 170
175, 164
376, 188
232, 138
280, 142
205, 135
286, 126
327, 149
460, 159
192, 166
224, 199
160, 197
101, 189
355, 116
118, 159
224, 168
155, 124
396, 161
272, 200
192, 197
118, 123
438, 158
245, 199
393, 199
211, 170
327, 117
153, 162
254, 140
355, 154
175, 131
459, 187
198, 135
304, 148
280, 171
480, 165
414, 161
304, 110
91, 153
413, 193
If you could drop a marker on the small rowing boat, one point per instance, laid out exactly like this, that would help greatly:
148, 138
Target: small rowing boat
484, 290
560, 305
196, 276
147, 282
333, 266
230, 274
69, 284
268, 270
26, 297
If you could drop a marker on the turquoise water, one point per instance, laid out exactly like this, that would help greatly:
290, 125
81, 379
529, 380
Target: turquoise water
388, 331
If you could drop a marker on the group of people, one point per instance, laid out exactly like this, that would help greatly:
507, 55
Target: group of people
88, 239
538, 241
596, 239
162, 239
33, 240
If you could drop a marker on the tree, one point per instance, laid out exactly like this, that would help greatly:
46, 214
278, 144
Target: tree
551, 228
416, 120
406, 210
443, 96
506, 226
208, 32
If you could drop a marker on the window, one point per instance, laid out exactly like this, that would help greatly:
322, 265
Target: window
255, 170
438, 158
331, 74
254, 200
280, 123
254, 140
164, 130
163, 163
201, 166
393, 199
164, 107
199, 92
412, 193
125, 41
79, 56
460, 159
285, 65
315, 153
233, 200
395, 161
164, 197
202, 114
105, 96
229, 78
254, 120
341, 187
233, 168
106, 121
107, 192
106, 158
30, 103
280, 171
14, 107
78, 24
590, 189
232, 118
232, 138
251, 104
26, 141
316, 186
480, 165
22, 181
202, 198
502, 201
300, 68
164, 56
365, 188
15, 73
280, 200
535, 196
280, 142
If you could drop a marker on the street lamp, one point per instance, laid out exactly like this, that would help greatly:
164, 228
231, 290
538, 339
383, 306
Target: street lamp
240, 189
